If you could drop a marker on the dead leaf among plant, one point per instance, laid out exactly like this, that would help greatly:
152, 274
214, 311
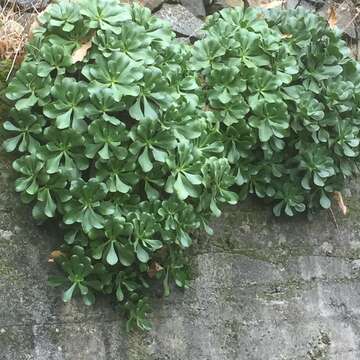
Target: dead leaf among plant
332, 19
340, 201
54, 254
272, 4
80, 53
265, 4
154, 268
234, 3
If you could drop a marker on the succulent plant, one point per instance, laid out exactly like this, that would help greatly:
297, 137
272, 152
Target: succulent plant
133, 140
107, 124
270, 87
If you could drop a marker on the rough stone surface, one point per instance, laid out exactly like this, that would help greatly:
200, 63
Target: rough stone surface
346, 16
181, 19
292, 4
217, 5
347, 12
196, 7
151, 4
263, 289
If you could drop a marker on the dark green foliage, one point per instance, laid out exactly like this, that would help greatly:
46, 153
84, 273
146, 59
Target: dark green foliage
111, 146
134, 145
285, 95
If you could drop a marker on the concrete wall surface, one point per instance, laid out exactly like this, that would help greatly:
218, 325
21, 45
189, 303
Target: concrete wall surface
263, 289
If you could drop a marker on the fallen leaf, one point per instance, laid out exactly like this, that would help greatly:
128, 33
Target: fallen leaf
332, 17
234, 3
54, 254
80, 53
154, 268
340, 201
272, 4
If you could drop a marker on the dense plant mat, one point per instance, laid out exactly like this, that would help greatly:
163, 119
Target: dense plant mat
285, 95
133, 140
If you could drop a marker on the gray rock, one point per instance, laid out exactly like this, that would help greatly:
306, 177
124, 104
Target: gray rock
185, 40
151, 4
355, 265
346, 15
216, 5
292, 4
196, 7
30, 5
26, 19
327, 248
181, 19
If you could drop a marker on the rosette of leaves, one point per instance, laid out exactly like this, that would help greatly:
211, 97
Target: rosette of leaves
112, 141
283, 92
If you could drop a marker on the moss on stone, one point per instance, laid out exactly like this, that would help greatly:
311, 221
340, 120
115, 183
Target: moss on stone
320, 348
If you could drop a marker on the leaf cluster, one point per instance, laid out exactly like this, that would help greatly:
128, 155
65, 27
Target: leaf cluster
133, 140
284, 93
113, 146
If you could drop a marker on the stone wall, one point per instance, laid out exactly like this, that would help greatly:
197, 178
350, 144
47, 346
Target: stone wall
263, 289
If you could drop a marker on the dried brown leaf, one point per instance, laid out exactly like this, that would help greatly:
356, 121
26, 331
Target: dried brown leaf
54, 254
272, 4
154, 268
340, 201
80, 53
332, 19
234, 3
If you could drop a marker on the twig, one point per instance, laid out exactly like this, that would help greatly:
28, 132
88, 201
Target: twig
35, 9
353, 19
357, 55
10, 8
13, 64
340, 201
298, 4
334, 218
